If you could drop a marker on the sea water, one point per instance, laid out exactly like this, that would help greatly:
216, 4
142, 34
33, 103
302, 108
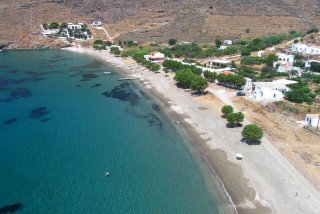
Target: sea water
64, 123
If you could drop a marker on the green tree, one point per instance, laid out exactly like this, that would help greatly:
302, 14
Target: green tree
270, 59
232, 118
218, 43
226, 110
252, 132
210, 76
98, 42
115, 51
172, 42
184, 77
63, 25
54, 25
239, 117
166, 71
199, 84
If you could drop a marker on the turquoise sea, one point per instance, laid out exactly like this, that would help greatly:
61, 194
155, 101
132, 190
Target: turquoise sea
64, 123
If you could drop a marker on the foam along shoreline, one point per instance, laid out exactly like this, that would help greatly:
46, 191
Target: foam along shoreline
260, 183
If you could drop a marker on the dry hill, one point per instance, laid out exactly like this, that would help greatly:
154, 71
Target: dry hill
154, 20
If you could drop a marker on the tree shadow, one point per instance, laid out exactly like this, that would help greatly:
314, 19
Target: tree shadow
250, 142
233, 125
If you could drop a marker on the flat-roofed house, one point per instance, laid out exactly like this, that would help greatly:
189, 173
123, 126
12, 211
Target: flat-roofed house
311, 49
313, 120
96, 24
218, 62
271, 90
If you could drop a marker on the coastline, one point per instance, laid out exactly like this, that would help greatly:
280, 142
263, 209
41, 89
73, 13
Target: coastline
248, 191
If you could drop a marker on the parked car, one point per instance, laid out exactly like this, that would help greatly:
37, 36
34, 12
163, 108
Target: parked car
241, 93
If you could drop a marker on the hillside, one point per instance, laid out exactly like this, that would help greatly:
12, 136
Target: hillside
154, 20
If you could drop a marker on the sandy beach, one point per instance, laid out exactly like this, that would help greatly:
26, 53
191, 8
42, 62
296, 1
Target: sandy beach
263, 182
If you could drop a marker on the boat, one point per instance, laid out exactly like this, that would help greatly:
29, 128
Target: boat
107, 72
107, 174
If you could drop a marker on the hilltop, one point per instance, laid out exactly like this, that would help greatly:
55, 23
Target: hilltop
190, 20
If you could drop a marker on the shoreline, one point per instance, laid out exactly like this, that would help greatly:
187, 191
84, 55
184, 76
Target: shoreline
251, 189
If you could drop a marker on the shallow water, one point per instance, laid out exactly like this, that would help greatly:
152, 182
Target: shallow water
64, 124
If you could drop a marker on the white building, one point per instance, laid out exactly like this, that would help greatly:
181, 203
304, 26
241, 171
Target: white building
306, 48
313, 120
271, 90
285, 59
227, 41
50, 33
155, 56
260, 53
74, 26
96, 24
223, 47
218, 62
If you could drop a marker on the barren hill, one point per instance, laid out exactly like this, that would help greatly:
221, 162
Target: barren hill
154, 20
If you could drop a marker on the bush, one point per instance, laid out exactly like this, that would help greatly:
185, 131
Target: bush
172, 41
54, 25
248, 60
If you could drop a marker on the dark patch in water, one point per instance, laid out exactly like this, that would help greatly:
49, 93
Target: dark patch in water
45, 119
89, 76
123, 92
20, 92
11, 208
3, 89
82, 80
5, 82
78, 85
3, 66
94, 65
17, 94
156, 107
71, 75
13, 71
12, 120
96, 85
38, 112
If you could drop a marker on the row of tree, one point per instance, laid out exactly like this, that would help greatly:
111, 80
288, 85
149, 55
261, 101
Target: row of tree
175, 66
231, 80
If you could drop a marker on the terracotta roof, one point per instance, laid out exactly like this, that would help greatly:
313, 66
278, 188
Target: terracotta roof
228, 72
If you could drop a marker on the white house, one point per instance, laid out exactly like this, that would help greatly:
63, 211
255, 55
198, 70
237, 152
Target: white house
155, 56
260, 53
271, 90
286, 59
74, 26
227, 41
223, 47
50, 33
218, 62
313, 120
96, 24
306, 48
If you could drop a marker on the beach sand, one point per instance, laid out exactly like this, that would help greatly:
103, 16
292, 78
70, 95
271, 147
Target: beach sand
263, 182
